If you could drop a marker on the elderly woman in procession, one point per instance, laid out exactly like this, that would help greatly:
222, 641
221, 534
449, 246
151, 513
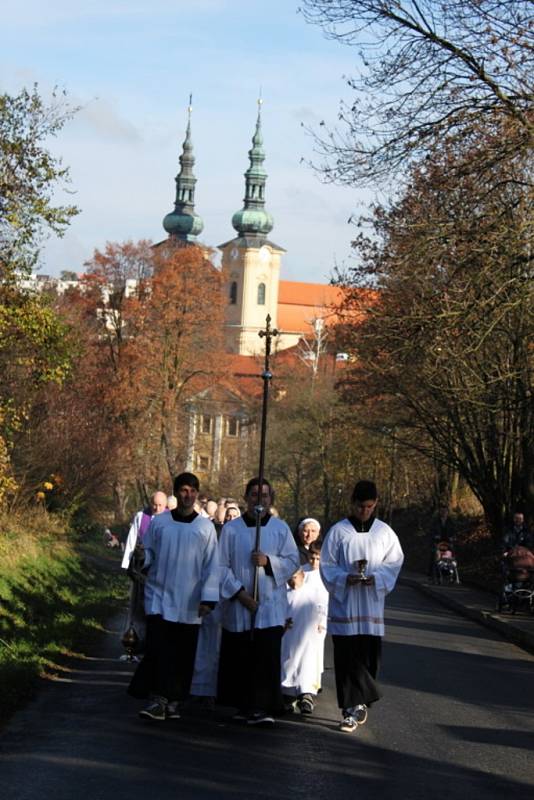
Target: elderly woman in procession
308, 531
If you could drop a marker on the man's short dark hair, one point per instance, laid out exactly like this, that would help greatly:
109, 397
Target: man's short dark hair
256, 482
186, 479
364, 490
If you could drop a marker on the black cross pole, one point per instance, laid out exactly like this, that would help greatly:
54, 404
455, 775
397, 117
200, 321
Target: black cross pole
269, 334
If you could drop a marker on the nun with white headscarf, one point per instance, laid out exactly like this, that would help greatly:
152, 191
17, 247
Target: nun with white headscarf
308, 531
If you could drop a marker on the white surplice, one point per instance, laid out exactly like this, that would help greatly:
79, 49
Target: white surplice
235, 548
131, 541
204, 683
355, 610
183, 567
303, 642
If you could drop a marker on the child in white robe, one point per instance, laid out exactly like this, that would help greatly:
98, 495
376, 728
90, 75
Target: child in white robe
303, 641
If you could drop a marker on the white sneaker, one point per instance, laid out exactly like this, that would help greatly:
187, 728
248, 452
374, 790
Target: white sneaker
348, 725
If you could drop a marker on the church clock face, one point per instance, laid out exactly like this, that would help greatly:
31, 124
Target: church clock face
264, 254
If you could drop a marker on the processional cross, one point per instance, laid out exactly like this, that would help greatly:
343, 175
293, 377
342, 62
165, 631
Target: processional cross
268, 334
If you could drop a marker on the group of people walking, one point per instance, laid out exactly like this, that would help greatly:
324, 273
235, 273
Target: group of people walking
208, 633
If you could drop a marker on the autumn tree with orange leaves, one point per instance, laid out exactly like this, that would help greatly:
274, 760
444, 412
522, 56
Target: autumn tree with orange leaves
160, 340
146, 323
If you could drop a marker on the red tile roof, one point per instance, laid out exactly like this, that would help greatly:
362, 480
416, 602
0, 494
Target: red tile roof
308, 294
299, 304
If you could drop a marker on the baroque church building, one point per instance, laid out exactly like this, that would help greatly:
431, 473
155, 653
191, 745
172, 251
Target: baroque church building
251, 264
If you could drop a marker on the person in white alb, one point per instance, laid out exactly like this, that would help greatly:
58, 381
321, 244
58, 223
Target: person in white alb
303, 641
204, 683
182, 587
249, 668
360, 562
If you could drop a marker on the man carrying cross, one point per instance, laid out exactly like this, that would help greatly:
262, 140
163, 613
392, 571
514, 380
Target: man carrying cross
249, 670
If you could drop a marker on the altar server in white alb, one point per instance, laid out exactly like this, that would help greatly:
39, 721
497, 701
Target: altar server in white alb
360, 562
204, 683
182, 587
249, 669
303, 641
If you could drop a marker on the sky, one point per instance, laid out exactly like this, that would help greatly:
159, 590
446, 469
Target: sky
131, 64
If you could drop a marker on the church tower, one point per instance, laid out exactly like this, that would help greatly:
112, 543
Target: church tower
183, 224
251, 262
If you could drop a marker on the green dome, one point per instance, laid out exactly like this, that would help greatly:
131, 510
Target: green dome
252, 221
183, 225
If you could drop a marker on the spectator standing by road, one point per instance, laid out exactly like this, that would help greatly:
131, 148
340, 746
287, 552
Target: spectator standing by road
517, 534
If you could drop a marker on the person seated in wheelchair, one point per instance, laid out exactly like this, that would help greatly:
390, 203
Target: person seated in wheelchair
517, 591
445, 563
519, 567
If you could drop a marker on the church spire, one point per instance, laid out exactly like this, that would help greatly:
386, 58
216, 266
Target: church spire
253, 219
183, 223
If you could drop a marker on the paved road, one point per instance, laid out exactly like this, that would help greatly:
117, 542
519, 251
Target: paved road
456, 722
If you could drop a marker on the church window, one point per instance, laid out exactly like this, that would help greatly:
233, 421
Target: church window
203, 463
232, 426
205, 423
233, 293
261, 294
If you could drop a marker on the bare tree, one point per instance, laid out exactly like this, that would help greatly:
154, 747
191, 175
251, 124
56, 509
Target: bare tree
449, 341
427, 71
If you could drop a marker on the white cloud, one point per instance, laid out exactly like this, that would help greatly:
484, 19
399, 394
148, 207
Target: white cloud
100, 117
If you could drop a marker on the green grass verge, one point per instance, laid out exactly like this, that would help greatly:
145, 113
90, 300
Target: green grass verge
55, 595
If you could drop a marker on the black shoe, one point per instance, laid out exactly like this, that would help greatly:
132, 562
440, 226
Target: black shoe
260, 718
305, 704
155, 710
173, 710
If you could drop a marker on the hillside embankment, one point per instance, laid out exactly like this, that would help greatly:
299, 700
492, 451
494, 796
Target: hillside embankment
58, 585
